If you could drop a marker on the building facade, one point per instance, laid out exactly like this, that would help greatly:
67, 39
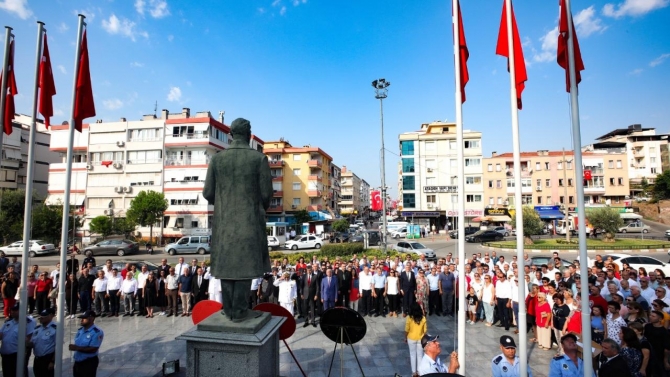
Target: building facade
427, 187
350, 200
335, 190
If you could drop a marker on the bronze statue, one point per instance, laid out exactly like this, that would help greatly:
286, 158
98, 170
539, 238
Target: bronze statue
239, 186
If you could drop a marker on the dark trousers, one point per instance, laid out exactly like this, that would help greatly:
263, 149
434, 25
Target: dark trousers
503, 312
365, 304
86, 368
515, 308
172, 295
31, 304
253, 298
448, 302
41, 366
71, 305
434, 302
84, 300
393, 303
42, 300
101, 303
407, 300
114, 301
140, 299
327, 304
309, 309
9, 367
344, 298
379, 301
235, 293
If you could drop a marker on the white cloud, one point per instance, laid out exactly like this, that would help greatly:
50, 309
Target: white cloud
261, 10
58, 112
139, 6
174, 95
88, 12
63, 27
633, 8
659, 60
282, 11
18, 7
298, 2
123, 27
113, 104
137, 64
276, 3
156, 8
61, 68
636, 72
170, 38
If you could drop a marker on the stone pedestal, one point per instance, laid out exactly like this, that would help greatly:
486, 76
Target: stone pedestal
219, 347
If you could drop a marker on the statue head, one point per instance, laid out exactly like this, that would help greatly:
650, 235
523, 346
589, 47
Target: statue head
241, 129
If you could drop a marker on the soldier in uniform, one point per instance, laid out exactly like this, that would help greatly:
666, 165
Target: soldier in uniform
9, 337
507, 363
44, 344
87, 342
568, 364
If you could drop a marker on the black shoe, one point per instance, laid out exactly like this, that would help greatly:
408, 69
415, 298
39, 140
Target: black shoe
306, 324
384, 315
126, 314
376, 315
438, 314
500, 326
169, 315
314, 324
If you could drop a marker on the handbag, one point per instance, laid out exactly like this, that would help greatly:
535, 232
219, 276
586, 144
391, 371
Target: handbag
53, 293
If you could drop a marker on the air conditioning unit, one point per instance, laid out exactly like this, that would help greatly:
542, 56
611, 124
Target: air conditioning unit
117, 165
127, 189
118, 189
429, 205
89, 167
120, 143
294, 206
538, 188
109, 212
429, 170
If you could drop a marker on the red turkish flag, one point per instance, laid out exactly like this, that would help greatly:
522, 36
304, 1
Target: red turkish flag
463, 53
376, 204
84, 107
46, 85
562, 53
8, 116
587, 175
503, 49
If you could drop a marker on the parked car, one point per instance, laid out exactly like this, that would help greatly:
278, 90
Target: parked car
304, 242
635, 261
667, 235
341, 237
415, 248
635, 227
539, 261
468, 231
502, 230
37, 247
484, 235
374, 237
118, 247
400, 233
189, 245
273, 243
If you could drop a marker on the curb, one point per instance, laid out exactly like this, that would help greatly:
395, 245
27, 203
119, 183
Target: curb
537, 251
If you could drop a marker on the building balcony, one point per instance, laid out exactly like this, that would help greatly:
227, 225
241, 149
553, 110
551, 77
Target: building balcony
318, 207
278, 193
524, 173
314, 163
278, 178
314, 193
314, 177
187, 161
594, 189
276, 163
275, 209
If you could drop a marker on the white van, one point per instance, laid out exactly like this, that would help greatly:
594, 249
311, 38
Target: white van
394, 225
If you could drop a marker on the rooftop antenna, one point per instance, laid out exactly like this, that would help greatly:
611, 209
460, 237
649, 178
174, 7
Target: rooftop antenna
155, 108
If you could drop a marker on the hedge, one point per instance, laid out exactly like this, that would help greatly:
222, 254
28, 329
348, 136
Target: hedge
344, 251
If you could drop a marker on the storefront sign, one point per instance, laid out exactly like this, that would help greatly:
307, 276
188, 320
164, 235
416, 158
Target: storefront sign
440, 189
419, 214
468, 213
496, 212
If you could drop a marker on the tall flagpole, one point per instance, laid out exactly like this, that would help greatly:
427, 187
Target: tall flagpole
521, 321
28, 213
581, 214
3, 87
60, 332
461, 187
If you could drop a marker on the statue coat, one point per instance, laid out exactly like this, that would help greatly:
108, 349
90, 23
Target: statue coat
239, 186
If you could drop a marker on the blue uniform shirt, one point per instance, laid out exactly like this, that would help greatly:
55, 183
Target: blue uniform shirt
500, 367
88, 338
10, 335
433, 281
44, 339
428, 366
563, 366
379, 281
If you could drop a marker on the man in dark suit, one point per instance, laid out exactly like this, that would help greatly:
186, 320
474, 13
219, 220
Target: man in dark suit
407, 289
610, 362
329, 288
163, 267
344, 278
309, 293
199, 286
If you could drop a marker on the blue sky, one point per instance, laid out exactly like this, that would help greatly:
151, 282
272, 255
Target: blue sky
301, 69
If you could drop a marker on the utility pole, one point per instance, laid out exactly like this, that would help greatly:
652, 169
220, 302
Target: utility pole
566, 226
381, 92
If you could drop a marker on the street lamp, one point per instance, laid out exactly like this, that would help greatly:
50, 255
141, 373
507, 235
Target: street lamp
381, 92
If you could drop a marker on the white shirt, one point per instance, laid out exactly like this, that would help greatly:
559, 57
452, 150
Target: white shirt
171, 282
649, 294
142, 279
114, 283
515, 291
365, 280
428, 366
53, 275
100, 285
504, 289
287, 290
108, 273
178, 268
214, 286
129, 286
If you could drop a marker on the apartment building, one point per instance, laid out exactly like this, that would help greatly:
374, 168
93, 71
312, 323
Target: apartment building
14, 167
114, 161
428, 187
335, 194
350, 201
548, 179
364, 195
301, 179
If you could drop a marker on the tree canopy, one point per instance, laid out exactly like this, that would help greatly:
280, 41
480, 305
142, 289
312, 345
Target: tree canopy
661, 188
532, 225
606, 219
341, 225
101, 225
146, 209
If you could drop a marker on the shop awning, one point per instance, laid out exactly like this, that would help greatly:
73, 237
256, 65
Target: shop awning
59, 199
551, 214
480, 219
499, 218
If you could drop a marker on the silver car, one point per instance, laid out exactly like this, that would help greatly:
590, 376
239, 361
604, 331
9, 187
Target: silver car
415, 248
189, 245
635, 227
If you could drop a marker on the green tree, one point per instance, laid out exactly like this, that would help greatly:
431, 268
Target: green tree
11, 214
607, 219
101, 225
146, 209
301, 216
661, 188
48, 223
341, 225
123, 225
532, 224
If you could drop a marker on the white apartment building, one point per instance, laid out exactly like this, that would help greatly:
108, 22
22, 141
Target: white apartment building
114, 161
13, 170
350, 189
364, 206
427, 186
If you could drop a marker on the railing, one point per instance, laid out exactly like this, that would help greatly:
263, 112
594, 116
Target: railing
146, 161
97, 163
187, 161
192, 136
276, 163
156, 138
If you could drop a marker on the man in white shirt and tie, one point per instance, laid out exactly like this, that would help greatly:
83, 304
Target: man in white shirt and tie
113, 288
128, 290
141, 282
179, 267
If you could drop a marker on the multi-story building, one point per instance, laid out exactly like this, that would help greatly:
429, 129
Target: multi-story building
300, 179
114, 161
350, 200
335, 190
644, 151
14, 167
428, 188
548, 179
364, 207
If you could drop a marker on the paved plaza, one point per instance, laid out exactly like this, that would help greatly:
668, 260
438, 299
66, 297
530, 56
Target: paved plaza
138, 346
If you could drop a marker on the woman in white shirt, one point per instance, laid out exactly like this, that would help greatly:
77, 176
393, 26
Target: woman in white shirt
392, 289
478, 284
488, 294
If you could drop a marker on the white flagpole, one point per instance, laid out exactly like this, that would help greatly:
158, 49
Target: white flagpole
28, 211
462, 282
521, 321
3, 87
60, 333
581, 214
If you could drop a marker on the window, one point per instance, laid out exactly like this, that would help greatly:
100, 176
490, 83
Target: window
611, 181
408, 200
473, 162
500, 200
473, 198
539, 200
297, 186
499, 183
473, 180
526, 199
653, 170
526, 183
620, 181
97, 157
618, 164
408, 182
560, 182
497, 167
510, 183
452, 163
8, 176
537, 166
489, 167
296, 157
539, 183
452, 145
471, 144
569, 164
430, 165
453, 180
144, 157
546, 166
652, 160
569, 181
296, 202
548, 200
296, 171
21, 180
610, 164
430, 146
571, 200
179, 131
408, 165
407, 148
490, 183
145, 134
560, 165
547, 183
561, 199
431, 181
491, 201
179, 222
431, 199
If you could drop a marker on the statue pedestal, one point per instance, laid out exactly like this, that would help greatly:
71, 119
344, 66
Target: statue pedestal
219, 347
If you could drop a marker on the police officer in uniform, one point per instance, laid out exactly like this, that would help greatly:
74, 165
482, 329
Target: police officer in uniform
568, 364
9, 335
87, 342
44, 344
507, 363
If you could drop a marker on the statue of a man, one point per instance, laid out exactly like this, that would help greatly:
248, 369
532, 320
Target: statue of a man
239, 186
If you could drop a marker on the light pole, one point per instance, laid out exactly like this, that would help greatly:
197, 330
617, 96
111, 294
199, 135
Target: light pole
381, 92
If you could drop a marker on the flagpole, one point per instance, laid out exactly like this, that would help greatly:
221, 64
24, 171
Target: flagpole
28, 213
581, 214
60, 332
461, 185
521, 320
3, 97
